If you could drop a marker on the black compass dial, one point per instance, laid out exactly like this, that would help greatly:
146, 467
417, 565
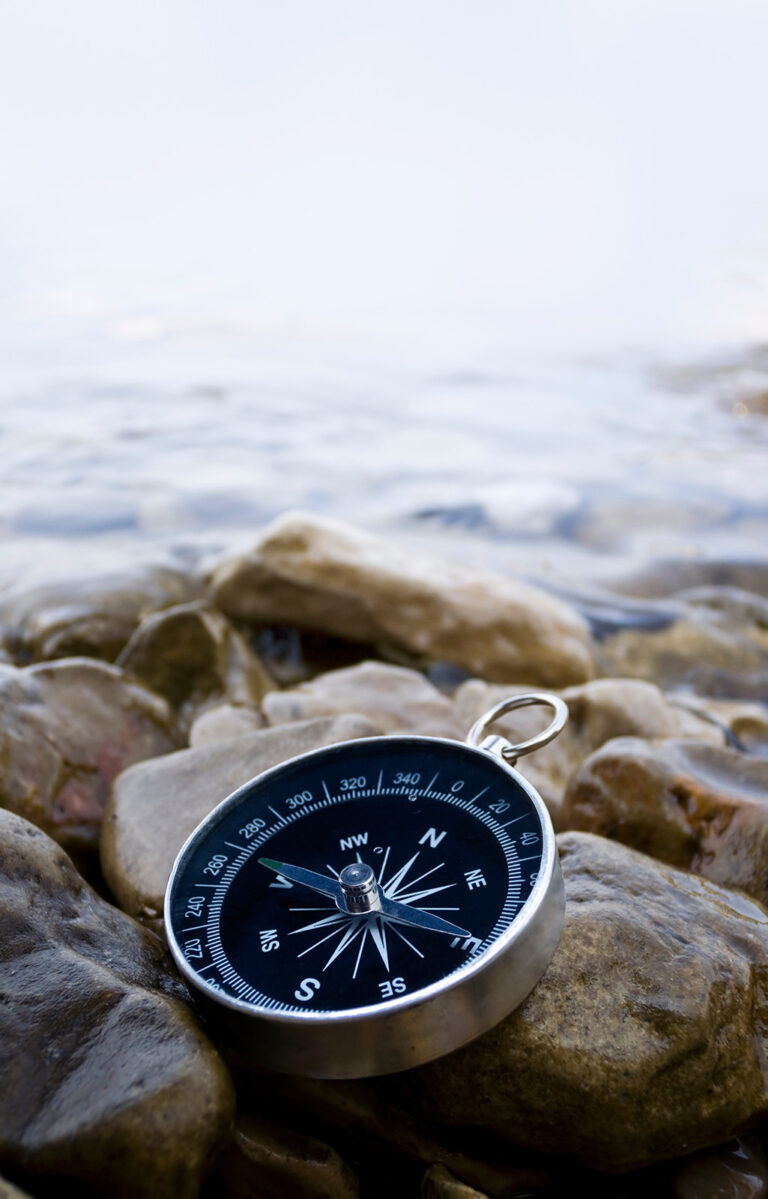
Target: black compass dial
265, 910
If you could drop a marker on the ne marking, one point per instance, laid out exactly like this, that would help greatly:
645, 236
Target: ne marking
274, 813
327, 792
231, 846
513, 821
434, 780
476, 797
378, 792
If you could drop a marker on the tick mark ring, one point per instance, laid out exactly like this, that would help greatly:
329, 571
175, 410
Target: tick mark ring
479, 738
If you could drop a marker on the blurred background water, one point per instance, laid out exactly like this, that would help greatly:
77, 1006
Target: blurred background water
490, 278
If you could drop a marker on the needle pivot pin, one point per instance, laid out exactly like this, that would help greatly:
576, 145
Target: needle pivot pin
359, 888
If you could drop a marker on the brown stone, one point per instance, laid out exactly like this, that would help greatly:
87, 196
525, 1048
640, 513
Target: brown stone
277, 1163
67, 729
439, 1183
107, 1081
92, 614
152, 811
700, 807
393, 698
328, 576
191, 652
598, 711
223, 722
645, 1038
711, 650
738, 1170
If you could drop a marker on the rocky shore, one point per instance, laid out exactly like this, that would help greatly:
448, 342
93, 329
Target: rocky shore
131, 705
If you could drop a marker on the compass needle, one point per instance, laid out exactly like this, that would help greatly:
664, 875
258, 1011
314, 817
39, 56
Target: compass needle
307, 913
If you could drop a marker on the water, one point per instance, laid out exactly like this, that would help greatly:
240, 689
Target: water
492, 281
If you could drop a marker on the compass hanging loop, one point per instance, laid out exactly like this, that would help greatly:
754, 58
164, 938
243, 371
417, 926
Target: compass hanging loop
479, 738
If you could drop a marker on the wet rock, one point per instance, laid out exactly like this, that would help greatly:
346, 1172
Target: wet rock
598, 711
393, 698
328, 576
191, 652
718, 652
277, 1163
699, 807
223, 722
67, 729
645, 1038
92, 615
439, 1183
738, 1170
114, 1088
152, 811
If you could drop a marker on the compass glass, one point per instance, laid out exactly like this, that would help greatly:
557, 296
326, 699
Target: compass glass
257, 910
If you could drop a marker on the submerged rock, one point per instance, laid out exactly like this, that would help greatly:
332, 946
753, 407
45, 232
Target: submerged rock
645, 1038
393, 698
738, 1170
92, 615
112, 1086
700, 807
152, 811
325, 575
67, 729
598, 711
191, 652
439, 1183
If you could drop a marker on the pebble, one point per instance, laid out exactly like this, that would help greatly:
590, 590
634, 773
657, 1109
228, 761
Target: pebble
152, 811
394, 698
112, 1086
190, 653
699, 807
645, 1038
265, 1160
326, 575
91, 614
67, 729
598, 711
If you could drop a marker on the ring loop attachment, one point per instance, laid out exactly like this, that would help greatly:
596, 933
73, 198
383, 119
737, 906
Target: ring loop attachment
479, 738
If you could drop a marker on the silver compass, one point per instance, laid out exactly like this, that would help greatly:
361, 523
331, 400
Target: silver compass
370, 906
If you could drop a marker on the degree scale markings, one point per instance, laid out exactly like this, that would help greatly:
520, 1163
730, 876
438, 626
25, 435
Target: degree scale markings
244, 853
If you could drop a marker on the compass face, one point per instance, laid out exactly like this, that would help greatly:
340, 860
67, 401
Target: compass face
259, 915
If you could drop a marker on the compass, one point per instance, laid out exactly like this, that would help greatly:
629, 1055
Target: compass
367, 907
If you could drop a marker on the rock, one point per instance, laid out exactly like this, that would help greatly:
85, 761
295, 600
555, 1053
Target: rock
114, 1088
325, 575
222, 723
152, 811
699, 807
393, 698
93, 615
705, 650
368, 1122
598, 711
67, 729
439, 1183
645, 1038
9, 1191
665, 577
191, 652
745, 724
738, 1170
275, 1163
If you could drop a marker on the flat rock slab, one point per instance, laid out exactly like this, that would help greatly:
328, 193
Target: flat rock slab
67, 729
597, 712
153, 809
111, 1083
395, 699
92, 615
324, 575
646, 1037
701, 807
